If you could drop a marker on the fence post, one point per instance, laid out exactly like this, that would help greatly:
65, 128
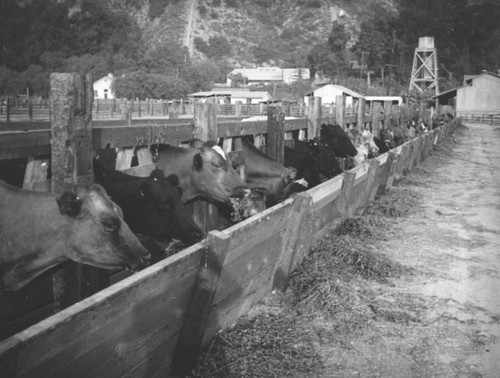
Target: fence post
237, 108
340, 111
292, 250
205, 129
275, 146
361, 113
71, 97
200, 304
313, 128
376, 107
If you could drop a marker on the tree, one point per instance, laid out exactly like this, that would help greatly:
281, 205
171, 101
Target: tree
166, 59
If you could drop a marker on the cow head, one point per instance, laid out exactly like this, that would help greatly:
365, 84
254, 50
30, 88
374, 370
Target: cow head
163, 215
213, 175
96, 233
324, 158
334, 137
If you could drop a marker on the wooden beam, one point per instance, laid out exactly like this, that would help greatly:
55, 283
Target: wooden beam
313, 129
275, 146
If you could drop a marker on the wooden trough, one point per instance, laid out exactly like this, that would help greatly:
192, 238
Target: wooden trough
155, 322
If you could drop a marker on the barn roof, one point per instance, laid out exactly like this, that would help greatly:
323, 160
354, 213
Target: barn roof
343, 89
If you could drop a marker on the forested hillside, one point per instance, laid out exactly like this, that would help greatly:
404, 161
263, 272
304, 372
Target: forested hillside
168, 48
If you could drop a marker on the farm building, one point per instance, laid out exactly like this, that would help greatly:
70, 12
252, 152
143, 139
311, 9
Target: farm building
329, 92
270, 75
479, 94
396, 100
231, 96
103, 87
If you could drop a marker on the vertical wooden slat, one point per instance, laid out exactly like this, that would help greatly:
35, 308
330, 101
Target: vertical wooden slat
36, 171
292, 247
275, 146
71, 97
361, 112
340, 111
196, 319
343, 207
314, 116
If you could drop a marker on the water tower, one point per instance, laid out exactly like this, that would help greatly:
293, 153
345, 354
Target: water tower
424, 74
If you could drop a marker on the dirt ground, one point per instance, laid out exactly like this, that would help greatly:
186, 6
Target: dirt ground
439, 318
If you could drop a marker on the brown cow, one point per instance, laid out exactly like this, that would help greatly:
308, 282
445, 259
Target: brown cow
39, 231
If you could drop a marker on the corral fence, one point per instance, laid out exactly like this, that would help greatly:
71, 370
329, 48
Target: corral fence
480, 117
155, 322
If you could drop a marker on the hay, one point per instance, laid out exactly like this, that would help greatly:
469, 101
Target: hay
398, 202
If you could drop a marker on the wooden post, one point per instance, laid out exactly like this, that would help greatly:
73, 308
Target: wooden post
344, 209
275, 146
291, 250
387, 113
313, 128
36, 171
386, 180
197, 315
205, 129
376, 107
237, 108
340, 111
71, 97
369, 189
361, 113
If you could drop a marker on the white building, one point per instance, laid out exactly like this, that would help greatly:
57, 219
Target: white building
103, 87
329, 92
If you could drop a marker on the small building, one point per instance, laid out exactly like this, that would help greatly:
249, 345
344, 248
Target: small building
329, 92
479, 94
231, 96
395, 100
103, 87
269, 75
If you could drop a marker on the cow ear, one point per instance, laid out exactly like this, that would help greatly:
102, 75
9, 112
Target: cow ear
198, 161
173, 179
69, 204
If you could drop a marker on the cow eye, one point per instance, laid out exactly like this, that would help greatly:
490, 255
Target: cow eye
110, 222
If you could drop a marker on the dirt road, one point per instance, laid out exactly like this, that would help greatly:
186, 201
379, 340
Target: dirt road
453, 243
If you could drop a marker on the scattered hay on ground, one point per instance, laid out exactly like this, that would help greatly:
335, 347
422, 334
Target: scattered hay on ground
264, 345
398, 202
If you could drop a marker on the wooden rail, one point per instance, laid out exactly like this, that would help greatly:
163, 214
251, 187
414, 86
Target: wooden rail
155, 322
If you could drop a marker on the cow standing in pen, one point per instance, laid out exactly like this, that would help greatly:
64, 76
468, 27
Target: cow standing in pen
39, 230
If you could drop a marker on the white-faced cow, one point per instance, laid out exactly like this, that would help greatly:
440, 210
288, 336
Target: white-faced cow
151, 205
39, 230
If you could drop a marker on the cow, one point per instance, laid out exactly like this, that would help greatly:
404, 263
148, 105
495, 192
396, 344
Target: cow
151, 205
386, 140
310, 159
203, 172
263, 172
39, 230
336, 139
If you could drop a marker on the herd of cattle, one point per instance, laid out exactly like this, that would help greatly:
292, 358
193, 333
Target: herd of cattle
109, 224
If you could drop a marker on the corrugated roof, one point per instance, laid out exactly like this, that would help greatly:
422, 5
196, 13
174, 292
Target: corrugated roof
231, 93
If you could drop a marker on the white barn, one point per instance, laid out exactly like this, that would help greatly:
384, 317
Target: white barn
103, 87
329, 92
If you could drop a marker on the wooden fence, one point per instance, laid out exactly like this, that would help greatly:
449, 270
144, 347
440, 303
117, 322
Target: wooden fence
154, 322
140, 315
479, 117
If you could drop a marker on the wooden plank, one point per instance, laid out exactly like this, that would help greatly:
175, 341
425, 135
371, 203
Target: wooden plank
340, 111
111, 328
313, 129
23, 144
416, 153
361, 113
275, 146
387, 176
343, 208
293, 245
370, 186
71, 158
200, 303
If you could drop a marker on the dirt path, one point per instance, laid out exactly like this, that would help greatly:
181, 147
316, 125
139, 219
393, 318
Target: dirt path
453, 243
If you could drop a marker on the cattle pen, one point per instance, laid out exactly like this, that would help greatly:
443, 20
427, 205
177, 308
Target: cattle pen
154, 322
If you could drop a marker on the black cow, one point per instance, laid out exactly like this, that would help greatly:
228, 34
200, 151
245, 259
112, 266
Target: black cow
311, 159
151, 205
336, 139
39, 230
